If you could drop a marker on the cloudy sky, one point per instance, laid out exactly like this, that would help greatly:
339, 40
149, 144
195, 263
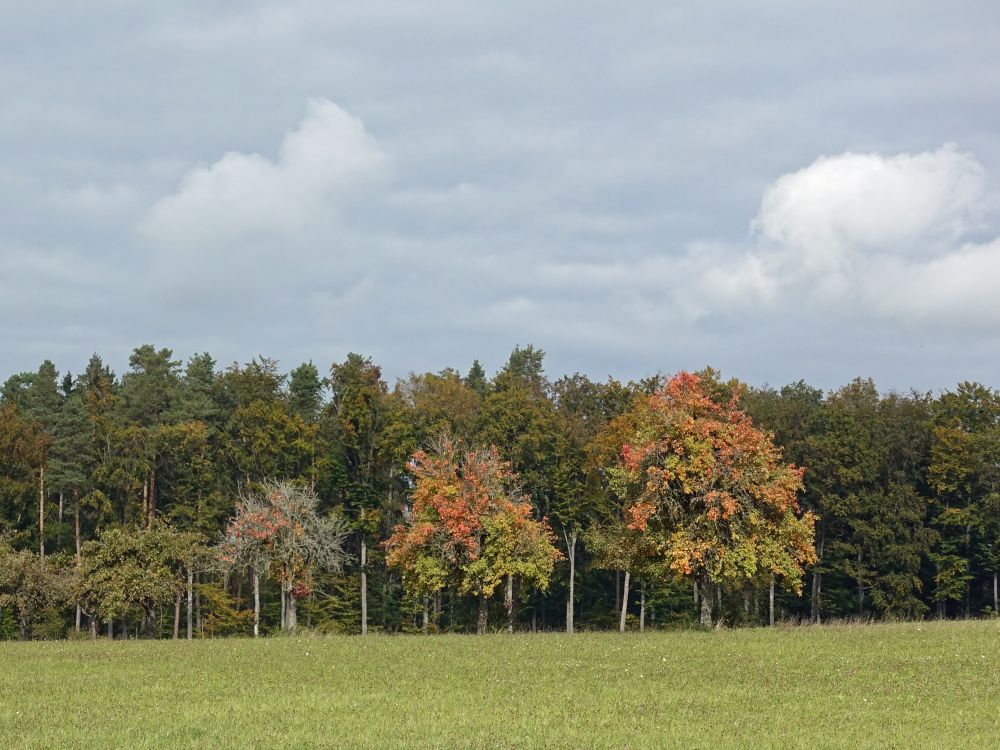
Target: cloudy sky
783, 190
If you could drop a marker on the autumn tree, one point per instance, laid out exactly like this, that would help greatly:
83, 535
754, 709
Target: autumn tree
471, 524
698, 472
278, 529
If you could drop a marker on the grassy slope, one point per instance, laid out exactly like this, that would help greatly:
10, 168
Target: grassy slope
913, 685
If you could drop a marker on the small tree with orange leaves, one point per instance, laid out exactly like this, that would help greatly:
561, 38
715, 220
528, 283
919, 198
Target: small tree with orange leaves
714, 488
470, 525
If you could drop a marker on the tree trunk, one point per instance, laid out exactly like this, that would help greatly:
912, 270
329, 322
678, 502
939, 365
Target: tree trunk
706, 601
364, 587
861, 587
291, 613
484, 611
111, 631
508, 601
177, 616
60, 510
570, 538
76, 539
190, 603
256, 604
427, 608
621, 620
41, 511
817, 585
642, 607
770, 606
996, 609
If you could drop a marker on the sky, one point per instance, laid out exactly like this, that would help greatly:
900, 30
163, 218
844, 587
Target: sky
781, 190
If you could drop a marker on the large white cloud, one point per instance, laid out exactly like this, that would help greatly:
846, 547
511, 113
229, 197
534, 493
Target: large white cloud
873, 236
248, 217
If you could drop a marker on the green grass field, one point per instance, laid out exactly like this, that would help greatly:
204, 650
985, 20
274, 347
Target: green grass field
913, 685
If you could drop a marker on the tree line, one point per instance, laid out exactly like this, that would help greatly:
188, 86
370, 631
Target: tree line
185, 500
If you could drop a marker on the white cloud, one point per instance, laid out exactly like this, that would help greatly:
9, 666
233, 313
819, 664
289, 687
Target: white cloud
250, 217
868, 202
872, 236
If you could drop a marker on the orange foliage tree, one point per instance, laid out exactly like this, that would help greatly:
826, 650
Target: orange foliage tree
713, 489
471, 526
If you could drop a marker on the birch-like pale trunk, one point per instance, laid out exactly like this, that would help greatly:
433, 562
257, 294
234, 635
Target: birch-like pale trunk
621, 620
770, 604
427, 609
291, 612
76, 539
571, 538
508, 601
190, 603
256, 603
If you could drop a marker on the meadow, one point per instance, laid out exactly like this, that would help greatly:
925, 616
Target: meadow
932, 684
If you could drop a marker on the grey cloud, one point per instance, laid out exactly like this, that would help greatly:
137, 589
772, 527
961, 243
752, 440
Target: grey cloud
578, 175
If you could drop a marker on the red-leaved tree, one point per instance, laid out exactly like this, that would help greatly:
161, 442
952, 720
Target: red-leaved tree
471, 526
700, 476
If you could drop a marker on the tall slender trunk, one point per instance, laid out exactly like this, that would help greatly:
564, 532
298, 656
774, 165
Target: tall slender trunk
41, 511
256, 603
437, 610
76, 539
364, 587
284, 609
190, 602
817, 584
570, 538
484, 611
111, 630
199, 613
60, 510
145, 501
177, 615
508, 601
621, 619
861, 586
706, 601
642, 607
427, 608
770, 605
996, 609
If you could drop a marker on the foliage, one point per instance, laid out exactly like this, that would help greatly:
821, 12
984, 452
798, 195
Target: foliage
470, 525
700, 474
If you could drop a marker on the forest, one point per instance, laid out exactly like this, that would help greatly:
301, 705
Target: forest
183, 499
